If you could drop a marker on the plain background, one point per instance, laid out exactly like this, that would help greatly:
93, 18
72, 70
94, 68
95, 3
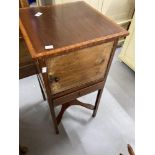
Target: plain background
145, 77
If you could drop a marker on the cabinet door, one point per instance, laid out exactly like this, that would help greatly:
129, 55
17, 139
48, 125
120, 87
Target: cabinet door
57, 1
94, 3
79, 67
118, 10
64, 1
127, 54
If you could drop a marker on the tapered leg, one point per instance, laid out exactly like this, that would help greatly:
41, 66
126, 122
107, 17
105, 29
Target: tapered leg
40, 64
43, 94
53, 117
97, 102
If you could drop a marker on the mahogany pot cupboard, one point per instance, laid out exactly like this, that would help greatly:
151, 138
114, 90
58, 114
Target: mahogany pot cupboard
72, 46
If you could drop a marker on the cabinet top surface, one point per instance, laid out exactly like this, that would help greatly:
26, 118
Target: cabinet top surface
65, 26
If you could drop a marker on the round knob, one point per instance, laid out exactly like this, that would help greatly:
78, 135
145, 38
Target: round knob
56, 79
53, 78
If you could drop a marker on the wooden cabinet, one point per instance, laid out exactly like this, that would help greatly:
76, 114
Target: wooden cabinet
97, 4
26, 64
94, 3
121, 10
64, 1
83, 42
127, 54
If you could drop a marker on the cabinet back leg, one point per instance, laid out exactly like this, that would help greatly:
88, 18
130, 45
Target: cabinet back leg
42, 91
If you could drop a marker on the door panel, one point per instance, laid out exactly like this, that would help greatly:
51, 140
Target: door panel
79, 67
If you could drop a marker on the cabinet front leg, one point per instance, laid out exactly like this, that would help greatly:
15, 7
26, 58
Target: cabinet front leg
99, 94
54, 118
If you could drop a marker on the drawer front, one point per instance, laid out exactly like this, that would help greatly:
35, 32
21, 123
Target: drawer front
79, 67
74, 95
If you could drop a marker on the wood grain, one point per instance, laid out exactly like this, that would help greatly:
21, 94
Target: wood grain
79, 67
23, 3
67, 27
84, 42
